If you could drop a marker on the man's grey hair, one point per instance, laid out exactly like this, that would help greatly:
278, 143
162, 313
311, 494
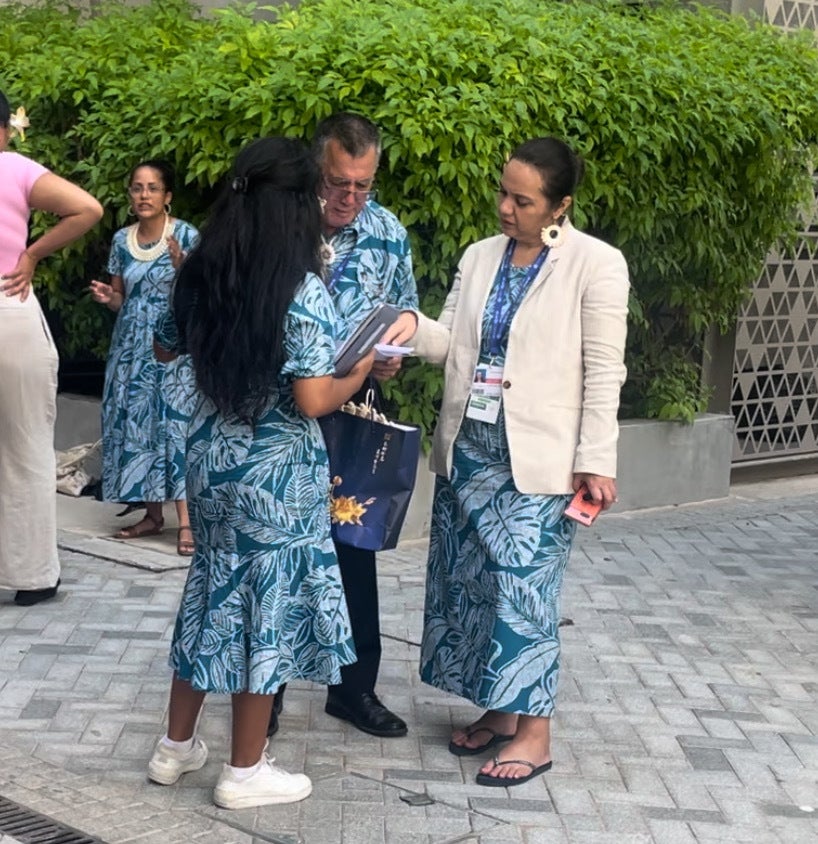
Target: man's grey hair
355, 133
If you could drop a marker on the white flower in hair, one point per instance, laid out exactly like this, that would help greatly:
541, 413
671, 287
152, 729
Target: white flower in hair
19, 123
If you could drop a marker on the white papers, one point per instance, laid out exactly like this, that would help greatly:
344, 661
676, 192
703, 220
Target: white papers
383, 351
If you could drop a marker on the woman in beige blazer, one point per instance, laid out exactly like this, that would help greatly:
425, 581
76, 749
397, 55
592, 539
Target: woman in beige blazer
532, 338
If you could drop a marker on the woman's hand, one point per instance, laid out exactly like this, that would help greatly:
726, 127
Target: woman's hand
111, 295
101, 292
18, 281
177, 254
401, 330
602, 489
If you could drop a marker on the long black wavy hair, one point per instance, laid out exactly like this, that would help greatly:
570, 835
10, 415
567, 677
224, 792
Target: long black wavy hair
234, 289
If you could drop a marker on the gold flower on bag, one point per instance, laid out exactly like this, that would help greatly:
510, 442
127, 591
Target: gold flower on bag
346, 510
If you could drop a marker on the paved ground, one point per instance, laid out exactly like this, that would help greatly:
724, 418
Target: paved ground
688, 704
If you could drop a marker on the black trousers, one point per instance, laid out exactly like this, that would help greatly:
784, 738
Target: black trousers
360, 580
361, 588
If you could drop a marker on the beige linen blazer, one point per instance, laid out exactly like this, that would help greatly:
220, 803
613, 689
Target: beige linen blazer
564, 362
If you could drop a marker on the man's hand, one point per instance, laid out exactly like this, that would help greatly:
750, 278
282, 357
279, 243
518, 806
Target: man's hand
383, 370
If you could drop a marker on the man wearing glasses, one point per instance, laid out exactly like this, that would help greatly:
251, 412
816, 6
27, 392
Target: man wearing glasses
366, 251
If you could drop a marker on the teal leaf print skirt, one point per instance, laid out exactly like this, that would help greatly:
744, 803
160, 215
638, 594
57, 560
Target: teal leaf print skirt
496, 563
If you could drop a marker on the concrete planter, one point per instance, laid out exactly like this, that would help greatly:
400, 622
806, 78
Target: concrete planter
78, 421
660, 463
664, 463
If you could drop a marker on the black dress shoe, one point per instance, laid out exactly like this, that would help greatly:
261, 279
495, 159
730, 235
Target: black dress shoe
278, 705
367, 713
30, 597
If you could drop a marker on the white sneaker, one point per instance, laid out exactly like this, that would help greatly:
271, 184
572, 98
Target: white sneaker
168, 764
269, 784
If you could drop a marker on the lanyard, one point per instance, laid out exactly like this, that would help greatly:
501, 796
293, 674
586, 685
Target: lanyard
501, 317
339, 268
338, 272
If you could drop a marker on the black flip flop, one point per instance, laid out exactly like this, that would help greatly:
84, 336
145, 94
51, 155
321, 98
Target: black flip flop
507, 782
462, 750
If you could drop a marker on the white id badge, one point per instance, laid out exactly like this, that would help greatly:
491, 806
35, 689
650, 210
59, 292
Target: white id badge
486, 393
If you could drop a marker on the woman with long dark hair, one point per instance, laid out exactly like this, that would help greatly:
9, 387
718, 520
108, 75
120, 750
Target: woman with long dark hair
263, 603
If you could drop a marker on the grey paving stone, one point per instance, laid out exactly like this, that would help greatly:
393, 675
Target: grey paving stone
39, 708
684, 815
671, 832
689, 691
623, 818
707, 759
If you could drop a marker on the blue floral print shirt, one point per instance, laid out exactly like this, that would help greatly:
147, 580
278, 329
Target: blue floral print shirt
375, 263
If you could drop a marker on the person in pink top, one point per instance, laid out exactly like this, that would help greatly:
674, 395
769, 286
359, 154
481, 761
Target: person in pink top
28, 369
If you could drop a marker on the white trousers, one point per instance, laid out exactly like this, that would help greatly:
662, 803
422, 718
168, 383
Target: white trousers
28, 406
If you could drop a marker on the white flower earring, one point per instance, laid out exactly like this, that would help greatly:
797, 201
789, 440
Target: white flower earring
552, 235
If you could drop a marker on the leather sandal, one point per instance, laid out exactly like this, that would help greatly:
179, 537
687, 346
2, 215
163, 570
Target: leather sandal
185, 547
147, 527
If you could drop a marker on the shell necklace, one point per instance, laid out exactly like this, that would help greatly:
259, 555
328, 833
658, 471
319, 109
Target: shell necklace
151, 253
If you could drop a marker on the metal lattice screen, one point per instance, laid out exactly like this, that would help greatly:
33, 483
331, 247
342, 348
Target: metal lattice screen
775, 369
792, 14
775, 379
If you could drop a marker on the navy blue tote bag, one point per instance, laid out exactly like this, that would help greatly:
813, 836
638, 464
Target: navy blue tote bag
372, 470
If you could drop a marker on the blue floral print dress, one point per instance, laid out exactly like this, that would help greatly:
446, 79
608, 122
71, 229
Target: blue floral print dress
496, 563
263, 603
145, 404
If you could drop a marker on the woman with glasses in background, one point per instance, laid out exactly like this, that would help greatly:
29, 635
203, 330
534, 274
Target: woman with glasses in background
146, 404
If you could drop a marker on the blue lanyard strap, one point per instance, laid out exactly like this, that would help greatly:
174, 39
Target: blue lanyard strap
339, 268
501, 316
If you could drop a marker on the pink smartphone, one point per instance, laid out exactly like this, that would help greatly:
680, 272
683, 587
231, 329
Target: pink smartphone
583, 508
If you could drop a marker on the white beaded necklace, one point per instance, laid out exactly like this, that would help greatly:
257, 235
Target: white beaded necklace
151, 253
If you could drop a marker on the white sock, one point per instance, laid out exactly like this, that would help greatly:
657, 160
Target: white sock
182, 746
242, 774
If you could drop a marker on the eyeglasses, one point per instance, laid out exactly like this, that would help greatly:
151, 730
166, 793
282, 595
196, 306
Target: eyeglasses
345, 188
136, 190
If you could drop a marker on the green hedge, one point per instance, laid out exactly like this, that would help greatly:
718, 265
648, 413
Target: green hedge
697, 129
